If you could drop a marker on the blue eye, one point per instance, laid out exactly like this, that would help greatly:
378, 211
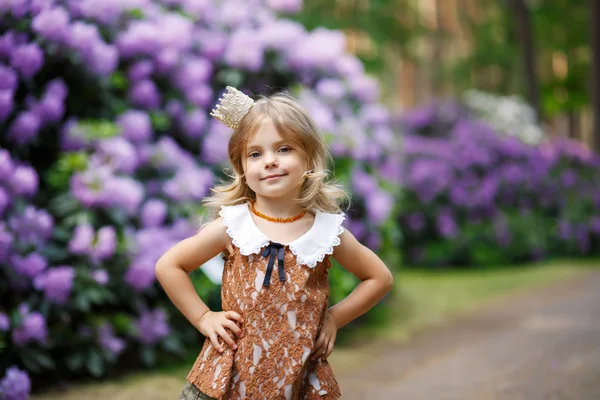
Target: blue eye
252, 155
285, 149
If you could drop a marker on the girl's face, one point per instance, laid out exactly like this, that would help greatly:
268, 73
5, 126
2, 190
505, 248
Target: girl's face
273, 167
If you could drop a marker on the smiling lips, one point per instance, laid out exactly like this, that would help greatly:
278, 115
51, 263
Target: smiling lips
271, 177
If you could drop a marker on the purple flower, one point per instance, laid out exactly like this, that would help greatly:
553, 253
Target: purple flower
245, 50
106, 244
83, 37
135, 125
124, 192
52, 24
8, 79
7, 44
108, 341
6, 165
415, 221
6, 104
71, 136
15, 385
194, 122
192, 72
118, 153
282, 35
145, 94
178, 188
447, 225
6, 241
4, 200
200, 96
56, 283
31, 265
82, 240
363, 183
285, 6
102, 58
140, 70
366, 89
28, 59
24, 181
153, 213
32, 225
212, 43
319, 49
332, 90
32, 328
51, 108
24, 128
4, 322
100, 276
140, 274
379, 206
349, 66
152, 326
595, 224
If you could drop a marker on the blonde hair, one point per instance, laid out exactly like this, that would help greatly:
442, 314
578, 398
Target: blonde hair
294, 124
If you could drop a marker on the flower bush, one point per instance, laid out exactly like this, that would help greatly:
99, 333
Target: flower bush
109, 148
473, 196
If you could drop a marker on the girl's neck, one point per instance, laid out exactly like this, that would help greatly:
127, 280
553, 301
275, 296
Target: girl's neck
278, 208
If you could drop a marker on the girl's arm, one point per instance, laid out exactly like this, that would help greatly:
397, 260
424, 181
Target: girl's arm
173, 267
376, 279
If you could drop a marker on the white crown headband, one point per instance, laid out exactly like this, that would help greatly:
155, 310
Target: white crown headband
232, 107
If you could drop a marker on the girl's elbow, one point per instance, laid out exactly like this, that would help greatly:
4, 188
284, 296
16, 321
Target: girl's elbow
389, 281
161, 267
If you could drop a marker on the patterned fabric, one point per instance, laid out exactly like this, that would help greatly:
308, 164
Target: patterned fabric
281, 320
191, 392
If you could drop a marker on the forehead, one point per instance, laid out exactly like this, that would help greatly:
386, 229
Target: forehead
265, 135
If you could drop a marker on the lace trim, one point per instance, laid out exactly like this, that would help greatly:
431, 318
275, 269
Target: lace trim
311, 260
244, 250
308, 257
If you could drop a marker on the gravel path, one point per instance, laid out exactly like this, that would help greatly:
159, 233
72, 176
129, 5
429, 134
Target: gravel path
542, 344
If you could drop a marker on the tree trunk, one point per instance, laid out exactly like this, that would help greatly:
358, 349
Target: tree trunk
525, 32
595, 44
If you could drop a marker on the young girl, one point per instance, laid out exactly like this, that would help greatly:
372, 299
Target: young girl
279, 225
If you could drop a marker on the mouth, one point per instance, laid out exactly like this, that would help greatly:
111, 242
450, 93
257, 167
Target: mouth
270, 177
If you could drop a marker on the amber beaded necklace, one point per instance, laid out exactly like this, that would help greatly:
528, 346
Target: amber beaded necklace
276, 219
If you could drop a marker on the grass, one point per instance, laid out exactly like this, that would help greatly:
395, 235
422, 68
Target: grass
421, 299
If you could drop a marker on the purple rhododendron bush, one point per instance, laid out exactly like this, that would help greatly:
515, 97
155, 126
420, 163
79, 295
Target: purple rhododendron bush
107, 149
473, 196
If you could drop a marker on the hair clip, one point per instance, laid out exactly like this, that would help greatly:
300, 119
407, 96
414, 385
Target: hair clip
232, 107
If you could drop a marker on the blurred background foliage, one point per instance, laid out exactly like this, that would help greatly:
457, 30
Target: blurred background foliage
464, 130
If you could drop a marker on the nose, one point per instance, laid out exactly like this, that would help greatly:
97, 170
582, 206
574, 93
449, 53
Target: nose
270, 160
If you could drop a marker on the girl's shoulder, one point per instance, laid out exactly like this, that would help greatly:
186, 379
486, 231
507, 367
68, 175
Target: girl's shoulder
310, 248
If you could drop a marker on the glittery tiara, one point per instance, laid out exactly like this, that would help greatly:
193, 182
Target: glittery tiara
232, 107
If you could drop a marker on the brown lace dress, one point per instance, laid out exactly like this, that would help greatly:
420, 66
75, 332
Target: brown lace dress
282, 292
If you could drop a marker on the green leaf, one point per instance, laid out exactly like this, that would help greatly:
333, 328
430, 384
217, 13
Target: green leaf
148, 356
160, 121
136, 13
75, 361
94, 363
118, 80
173, 344
98, 129
81, 302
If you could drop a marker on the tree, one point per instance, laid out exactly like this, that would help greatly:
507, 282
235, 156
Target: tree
526, 39
595, 45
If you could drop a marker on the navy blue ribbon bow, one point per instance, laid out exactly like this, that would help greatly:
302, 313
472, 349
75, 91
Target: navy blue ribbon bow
272, 250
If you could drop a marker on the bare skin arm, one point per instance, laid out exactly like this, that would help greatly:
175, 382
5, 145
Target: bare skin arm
172, 271
376, 279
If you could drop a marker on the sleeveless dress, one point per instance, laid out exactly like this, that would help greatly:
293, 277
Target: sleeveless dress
282, 292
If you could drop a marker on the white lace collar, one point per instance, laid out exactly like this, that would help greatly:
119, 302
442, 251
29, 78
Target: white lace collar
309, 249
